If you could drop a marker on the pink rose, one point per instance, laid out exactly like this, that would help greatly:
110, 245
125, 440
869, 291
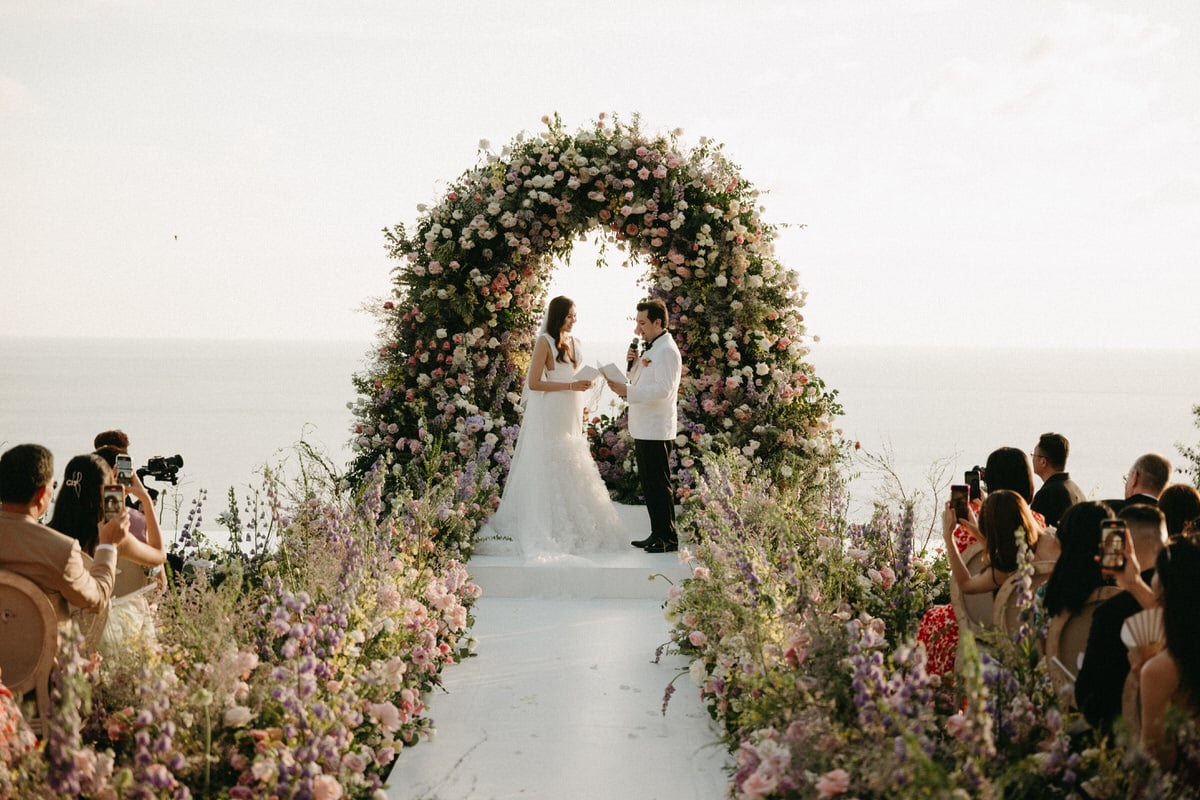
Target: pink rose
956, 725
758, 786
833, 783
697, 638
326, 787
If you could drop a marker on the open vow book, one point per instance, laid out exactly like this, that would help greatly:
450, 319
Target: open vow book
609, 370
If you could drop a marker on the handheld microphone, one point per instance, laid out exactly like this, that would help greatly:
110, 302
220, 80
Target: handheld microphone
634, 347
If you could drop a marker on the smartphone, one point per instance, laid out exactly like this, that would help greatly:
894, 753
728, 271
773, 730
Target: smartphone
124, 469
1112, 543
971, 479
959, 495
114, 500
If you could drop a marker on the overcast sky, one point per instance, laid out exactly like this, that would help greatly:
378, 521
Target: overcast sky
1008, 173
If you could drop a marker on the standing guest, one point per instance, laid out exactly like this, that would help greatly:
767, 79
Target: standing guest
48, 558
1105, 666
1173, 676
1058, 492
653, 396
1144, 482
1180, 504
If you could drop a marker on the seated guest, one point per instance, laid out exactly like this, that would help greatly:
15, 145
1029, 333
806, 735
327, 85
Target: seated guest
137, 519
1173, 676
53, 561
79, 512
1144, 482
1105, 666
1002, 515
1077, 572
1007, 469
1180, 504
1058, 492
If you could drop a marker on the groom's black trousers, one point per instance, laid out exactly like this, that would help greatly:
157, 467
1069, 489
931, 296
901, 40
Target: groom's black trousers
654, 469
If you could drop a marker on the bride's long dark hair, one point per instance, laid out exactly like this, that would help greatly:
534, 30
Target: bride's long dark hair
556, 317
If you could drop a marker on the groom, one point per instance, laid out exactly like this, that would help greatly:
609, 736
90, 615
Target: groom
652, 393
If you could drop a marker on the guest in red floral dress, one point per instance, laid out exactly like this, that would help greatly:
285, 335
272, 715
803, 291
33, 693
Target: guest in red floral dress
1007, 468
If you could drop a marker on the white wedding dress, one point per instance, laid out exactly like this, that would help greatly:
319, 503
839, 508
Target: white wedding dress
555, 504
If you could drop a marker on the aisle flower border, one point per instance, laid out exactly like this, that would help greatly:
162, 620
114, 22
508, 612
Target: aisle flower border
299, 671
441, 394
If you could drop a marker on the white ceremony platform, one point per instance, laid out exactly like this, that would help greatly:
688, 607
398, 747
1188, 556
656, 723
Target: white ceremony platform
563, 698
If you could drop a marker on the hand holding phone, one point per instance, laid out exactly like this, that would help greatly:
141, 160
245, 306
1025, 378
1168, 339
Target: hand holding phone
114, 500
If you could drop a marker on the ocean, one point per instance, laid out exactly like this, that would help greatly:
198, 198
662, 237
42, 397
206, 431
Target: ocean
231, 407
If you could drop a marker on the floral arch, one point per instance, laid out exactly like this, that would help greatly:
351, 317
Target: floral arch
440, 396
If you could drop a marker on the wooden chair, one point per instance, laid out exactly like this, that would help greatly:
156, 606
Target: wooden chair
1066, 641
972, 610
28, 643
1005, 610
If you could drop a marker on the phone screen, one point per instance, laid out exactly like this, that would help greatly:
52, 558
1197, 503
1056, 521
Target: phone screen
1112, 544
114, 501
959, 495
124, 470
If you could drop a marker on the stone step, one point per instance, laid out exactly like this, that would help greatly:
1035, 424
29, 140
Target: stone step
616, 576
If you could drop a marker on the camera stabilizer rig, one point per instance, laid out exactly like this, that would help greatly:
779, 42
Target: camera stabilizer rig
162, 468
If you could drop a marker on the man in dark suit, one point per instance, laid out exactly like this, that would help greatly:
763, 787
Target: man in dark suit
50, 559
1101, 680
1144, 482
1058, 492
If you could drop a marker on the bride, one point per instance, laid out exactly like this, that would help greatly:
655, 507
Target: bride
554, 501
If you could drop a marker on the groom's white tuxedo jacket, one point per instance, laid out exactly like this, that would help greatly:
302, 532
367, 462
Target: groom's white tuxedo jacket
653, 393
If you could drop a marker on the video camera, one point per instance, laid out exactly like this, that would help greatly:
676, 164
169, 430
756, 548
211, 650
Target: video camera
163, 468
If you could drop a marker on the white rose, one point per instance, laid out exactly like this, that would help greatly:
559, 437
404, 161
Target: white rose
238, 716
721, 280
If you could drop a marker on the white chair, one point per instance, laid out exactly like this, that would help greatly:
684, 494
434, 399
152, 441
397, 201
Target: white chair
28, 643
1066, 640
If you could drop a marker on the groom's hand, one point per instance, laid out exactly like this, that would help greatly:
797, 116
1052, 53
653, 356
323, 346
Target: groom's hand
619, 389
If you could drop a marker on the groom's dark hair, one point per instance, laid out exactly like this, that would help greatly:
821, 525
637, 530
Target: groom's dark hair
655, 309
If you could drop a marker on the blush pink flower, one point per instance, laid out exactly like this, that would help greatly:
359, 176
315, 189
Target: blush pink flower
697, 638
833, 783
326, 787
387, 715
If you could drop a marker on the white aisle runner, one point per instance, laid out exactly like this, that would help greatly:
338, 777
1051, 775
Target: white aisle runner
563, 700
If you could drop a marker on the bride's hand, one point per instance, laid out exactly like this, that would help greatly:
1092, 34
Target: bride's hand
580, 386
